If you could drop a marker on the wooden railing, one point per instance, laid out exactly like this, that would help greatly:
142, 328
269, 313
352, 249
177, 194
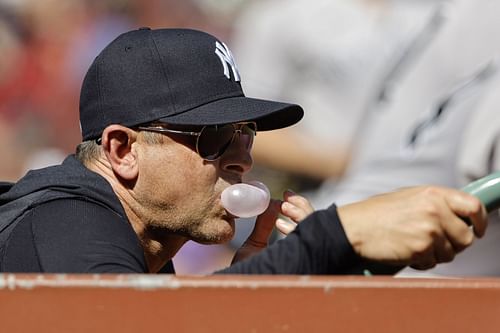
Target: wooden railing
154, 303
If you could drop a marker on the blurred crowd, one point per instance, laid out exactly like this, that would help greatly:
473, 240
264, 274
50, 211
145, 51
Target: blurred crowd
47, 46
370, 74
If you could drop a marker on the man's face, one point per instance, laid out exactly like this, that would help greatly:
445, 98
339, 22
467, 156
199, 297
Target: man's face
180, 191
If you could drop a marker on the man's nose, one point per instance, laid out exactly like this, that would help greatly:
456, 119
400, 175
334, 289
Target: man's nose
237, 158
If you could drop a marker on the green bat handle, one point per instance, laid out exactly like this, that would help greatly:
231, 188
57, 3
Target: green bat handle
486, 189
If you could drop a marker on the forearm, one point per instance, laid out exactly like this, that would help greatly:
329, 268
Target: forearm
317, 246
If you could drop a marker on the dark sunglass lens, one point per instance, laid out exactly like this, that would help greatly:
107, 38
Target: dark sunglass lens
247, 135
214, 140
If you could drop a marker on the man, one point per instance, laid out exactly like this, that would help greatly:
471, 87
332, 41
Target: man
166, 128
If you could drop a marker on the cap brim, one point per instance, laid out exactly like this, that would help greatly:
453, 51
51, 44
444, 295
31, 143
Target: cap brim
268, 115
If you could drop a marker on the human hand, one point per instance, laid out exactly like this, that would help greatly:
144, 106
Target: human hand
419, 226
296, 208
293, 206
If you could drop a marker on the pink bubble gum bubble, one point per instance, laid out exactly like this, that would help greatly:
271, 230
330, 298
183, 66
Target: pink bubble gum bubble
246, 199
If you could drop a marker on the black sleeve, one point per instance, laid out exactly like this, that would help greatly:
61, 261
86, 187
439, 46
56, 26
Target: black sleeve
74, 236
317, 246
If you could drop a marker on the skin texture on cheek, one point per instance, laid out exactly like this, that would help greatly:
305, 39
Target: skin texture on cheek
209, 222
181, 193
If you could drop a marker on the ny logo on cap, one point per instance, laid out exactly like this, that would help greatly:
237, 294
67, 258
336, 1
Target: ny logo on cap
226, 57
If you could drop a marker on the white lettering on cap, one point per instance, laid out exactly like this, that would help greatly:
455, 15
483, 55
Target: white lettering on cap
226, 57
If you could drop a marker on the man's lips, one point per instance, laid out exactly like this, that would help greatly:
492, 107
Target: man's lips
230, 182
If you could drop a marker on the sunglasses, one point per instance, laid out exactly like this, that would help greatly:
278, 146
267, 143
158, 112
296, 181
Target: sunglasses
213, 140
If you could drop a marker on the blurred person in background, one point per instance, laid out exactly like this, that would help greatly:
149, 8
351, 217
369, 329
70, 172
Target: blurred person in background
438, 125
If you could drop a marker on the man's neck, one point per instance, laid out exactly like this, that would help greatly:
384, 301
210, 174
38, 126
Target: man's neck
159, 252
159, 245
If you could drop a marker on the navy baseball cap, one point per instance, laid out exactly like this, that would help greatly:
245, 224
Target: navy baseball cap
177, 76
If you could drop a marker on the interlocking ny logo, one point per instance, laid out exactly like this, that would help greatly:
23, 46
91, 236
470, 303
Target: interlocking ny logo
226, 57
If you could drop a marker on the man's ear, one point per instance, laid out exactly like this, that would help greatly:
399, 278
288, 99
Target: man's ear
117, 143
